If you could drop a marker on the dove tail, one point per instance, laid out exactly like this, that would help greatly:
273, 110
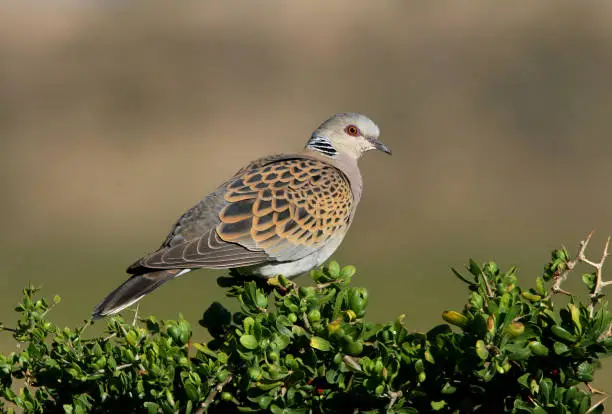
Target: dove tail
132, 290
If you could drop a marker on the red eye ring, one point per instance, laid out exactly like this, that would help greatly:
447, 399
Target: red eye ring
352, 130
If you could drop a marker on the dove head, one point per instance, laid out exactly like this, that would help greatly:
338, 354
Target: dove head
347, 134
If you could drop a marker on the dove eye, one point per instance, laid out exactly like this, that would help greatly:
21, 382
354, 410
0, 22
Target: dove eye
352, 130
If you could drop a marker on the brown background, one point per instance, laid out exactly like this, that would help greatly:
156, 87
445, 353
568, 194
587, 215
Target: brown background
115, 118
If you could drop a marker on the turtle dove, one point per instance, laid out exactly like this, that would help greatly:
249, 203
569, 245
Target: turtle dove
281, 214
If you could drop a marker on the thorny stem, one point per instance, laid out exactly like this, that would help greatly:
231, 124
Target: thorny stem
581, 258
599, 282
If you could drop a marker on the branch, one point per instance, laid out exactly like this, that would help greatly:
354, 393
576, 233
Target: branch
6, 328
135, 315
489, 290
393, 396
570, 265
599, 282
597, 404
581, 258
213, 393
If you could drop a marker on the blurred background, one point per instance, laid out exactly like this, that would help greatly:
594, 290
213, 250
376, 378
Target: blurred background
115, 118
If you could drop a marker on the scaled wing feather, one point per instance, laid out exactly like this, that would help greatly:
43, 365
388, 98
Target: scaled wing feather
277, 209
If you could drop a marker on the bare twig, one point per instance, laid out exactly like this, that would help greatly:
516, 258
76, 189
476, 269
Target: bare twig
570, 265
597, 404
327, 284
599, 282
6, 328
213, 393
135, 314
87, 323
489, 290
608, 332
393, 396
123, 366
534, 402
352, 363
110, 337
581, 258
594, 390
306, 322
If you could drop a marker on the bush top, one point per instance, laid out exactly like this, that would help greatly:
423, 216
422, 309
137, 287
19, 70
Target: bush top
310, 349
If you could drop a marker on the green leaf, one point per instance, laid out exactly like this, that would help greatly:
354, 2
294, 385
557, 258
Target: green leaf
461, 277
524, 380
191, 391
540, 286
333, 269
281, 341
537, 348
448, 389
474, 268
518, 351
341, 297
584, 372
589, 280
455, 318
562, 333
575, 314
354, 348
249, 342
261, 300
348, 272
560, 348
264, 401
438, 405
546, 386
531, 297
321, 344
515, 329
481, 350
476, 300
248, 324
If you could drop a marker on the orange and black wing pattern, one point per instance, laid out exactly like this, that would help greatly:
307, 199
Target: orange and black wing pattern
288, 208
275, 211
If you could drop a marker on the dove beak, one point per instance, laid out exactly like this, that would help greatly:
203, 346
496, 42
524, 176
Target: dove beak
379, 146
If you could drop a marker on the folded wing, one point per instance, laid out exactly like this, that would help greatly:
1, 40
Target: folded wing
275, 211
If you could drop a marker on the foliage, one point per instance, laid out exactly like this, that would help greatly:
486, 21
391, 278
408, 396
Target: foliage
306, 349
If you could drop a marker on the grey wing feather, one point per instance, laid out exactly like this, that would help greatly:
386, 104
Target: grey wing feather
193, 242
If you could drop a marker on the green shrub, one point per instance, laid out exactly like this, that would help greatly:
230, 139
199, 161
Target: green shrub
305, 349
